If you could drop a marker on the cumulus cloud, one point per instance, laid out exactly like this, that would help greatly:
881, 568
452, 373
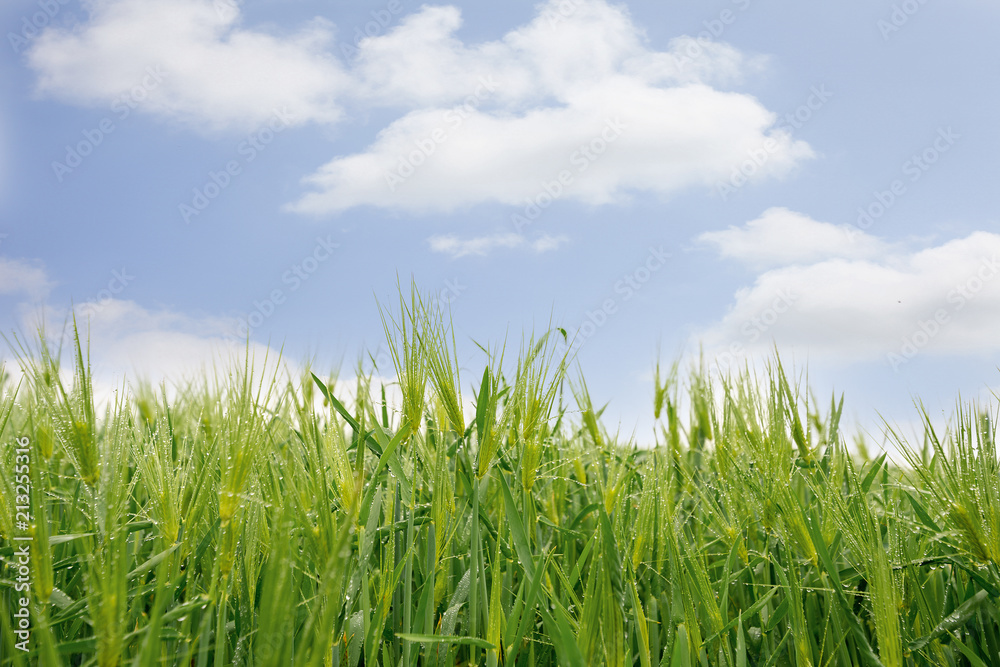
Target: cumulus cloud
942, 299
574, 101
155, 343
129, 344
188, 60
450, 244
579, 108
23, 278
421, 63
782, 237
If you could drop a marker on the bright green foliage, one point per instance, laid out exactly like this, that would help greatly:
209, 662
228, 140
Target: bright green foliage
256, 520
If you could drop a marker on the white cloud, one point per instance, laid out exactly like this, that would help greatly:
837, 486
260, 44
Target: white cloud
21, 277
582, 95
421, 63
126, 344
585, 98
129, 344
942, 299
547, 242
185, 59
126, 337
450, 244
781, 237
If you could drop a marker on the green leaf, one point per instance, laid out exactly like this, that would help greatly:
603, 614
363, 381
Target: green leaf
517, 529
446, 639
922, 513
641, 626
741, 646
582, 514
564, 642
778, 649
967, 652
952, 621
482, 404
152, 562
860, 637
389, 458
776, 616
866, 483
749, 613
372, 444
513, 639
681, 656
612, 560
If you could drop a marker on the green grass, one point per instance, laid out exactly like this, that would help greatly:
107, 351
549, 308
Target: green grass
255, 520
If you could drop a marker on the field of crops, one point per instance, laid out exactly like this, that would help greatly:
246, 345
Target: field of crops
253, 520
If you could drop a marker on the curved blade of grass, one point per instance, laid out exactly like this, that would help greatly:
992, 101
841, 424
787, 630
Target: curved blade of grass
952, 621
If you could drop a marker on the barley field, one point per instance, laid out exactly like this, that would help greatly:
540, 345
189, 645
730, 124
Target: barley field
253, 519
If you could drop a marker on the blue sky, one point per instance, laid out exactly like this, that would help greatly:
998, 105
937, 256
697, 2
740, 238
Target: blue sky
653, 177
